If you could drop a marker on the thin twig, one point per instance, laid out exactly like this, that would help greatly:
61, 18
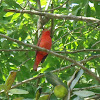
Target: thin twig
48, 3
95, 44
77, 51
28, 2
52, 22
85, 88
24, 62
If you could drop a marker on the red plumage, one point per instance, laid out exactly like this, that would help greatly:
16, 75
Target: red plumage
44, 42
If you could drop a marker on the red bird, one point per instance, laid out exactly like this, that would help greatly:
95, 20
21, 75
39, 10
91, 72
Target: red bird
44, 42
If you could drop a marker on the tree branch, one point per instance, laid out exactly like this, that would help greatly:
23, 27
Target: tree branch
68, 52
61, 69
8, 50
56, 16
55, 54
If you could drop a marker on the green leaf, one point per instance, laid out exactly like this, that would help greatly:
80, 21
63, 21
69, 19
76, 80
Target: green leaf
82, 2
20, 1
38, 92
12, 3
77, 77
97, 7
8, 14
18, 91
26, 16
5, 44
88, 11
78, 12
43, 2
15, 17
84, 93
53, 79
10, 79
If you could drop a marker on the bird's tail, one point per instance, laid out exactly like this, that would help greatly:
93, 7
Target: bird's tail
35, 67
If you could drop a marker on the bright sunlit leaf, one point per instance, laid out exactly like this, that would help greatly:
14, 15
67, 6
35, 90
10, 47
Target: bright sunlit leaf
8, 14
43, 2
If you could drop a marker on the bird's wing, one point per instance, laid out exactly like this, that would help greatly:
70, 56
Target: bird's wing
44, 58
38, 44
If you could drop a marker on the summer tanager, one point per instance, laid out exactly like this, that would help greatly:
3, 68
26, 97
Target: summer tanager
44, 42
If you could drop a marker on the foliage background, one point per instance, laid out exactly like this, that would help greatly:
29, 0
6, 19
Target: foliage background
68, 37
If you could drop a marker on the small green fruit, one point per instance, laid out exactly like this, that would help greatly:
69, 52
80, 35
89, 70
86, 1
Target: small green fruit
60, 91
